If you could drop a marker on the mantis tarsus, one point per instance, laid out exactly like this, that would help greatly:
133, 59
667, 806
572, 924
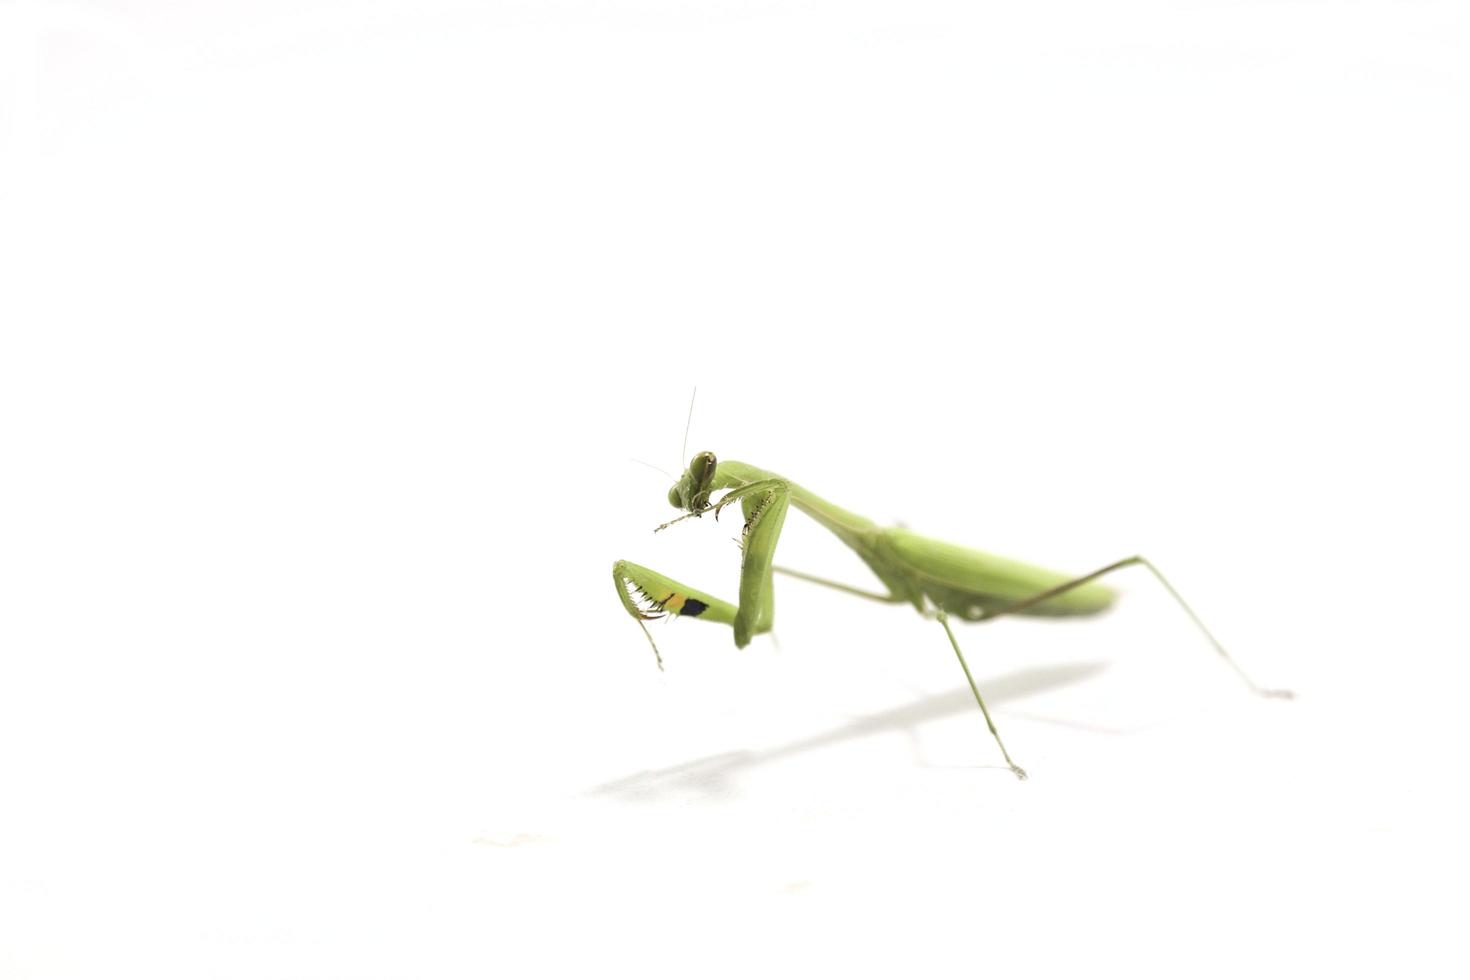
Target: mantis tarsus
939, 579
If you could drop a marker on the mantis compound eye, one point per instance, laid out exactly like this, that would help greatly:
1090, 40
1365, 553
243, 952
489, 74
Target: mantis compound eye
674, 498
702, 470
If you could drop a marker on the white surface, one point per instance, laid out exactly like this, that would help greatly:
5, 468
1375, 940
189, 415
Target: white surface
329, 331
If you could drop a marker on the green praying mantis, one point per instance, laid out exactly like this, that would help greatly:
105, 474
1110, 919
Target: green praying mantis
939, 579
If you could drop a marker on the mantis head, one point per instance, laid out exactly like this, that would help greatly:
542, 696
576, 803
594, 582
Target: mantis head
691, 493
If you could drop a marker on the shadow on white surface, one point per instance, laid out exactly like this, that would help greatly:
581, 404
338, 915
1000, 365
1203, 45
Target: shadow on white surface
713, 776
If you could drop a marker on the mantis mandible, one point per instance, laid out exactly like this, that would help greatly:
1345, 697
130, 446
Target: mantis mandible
939, 579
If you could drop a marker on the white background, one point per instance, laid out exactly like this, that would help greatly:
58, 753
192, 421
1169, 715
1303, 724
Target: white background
330, 332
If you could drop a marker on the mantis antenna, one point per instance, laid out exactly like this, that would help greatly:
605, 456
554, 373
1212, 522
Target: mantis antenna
652, 467
684, 449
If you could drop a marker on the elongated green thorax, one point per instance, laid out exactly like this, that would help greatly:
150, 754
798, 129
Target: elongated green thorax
965, 582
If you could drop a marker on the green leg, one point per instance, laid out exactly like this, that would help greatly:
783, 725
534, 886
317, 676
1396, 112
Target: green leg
944, 621
1126, 563
648, 595
764, 504
849, 589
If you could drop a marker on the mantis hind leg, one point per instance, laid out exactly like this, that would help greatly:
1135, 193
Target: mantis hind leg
944, 621
1039, 597
1024, 604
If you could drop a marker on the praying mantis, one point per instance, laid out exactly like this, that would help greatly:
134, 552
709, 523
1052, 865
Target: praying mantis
939, 579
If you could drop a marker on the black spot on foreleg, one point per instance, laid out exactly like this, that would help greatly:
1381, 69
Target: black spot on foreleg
693, 607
